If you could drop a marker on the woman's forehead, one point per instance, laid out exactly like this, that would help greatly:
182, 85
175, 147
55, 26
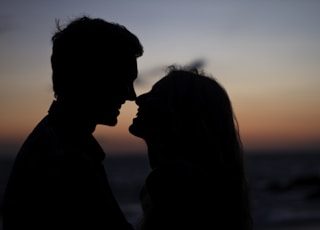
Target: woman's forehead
173, 84
161, 83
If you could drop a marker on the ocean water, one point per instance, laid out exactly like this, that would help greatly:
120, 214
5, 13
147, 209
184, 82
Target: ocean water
284, 186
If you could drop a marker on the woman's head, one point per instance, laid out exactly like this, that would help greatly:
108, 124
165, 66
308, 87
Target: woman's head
189, 115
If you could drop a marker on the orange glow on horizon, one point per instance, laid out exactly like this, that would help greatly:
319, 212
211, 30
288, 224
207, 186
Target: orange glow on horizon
267, 128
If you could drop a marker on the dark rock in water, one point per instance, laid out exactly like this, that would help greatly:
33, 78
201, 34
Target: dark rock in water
304, 182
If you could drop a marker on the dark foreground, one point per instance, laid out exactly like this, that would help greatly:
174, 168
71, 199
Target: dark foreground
285, 187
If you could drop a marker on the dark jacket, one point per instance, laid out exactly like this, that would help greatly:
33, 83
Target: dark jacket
58, 180
185, 195
177, 196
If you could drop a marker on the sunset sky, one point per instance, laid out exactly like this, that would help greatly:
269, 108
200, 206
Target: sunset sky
266, 53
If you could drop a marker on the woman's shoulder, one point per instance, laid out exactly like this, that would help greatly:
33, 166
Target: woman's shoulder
184, 169
174, 177
172, 169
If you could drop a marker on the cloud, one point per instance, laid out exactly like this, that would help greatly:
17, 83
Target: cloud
196, 64
160, 70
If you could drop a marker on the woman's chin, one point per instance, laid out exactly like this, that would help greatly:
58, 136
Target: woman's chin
132, 129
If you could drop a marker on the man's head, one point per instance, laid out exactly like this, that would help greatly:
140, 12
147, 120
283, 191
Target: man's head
94, 66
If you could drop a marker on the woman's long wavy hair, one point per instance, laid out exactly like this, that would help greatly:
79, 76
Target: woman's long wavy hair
206, 131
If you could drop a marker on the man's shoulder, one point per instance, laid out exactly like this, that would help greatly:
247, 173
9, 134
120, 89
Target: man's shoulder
42, 136
41, 144
51, 142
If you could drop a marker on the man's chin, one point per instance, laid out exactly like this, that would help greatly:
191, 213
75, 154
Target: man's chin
108, 122
109, 118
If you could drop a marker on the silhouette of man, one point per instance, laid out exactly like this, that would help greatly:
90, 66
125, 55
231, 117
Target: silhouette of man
58, 180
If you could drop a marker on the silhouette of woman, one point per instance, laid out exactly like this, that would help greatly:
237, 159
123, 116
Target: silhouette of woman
198, 179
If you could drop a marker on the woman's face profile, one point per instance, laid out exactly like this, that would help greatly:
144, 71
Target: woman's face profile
153, 111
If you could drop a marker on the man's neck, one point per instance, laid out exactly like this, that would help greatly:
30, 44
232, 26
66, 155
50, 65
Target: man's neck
72, 116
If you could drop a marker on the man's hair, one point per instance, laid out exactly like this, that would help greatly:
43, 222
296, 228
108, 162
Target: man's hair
84, 43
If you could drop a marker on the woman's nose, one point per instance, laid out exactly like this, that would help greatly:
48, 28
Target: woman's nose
140, 99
